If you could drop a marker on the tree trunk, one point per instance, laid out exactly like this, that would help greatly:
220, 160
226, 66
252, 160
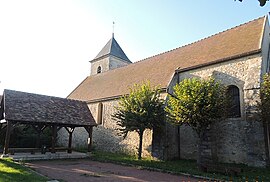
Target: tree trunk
204, 150
140, 144
200, 150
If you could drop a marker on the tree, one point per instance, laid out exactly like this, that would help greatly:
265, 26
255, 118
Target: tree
262, 2
198, 103
141, 109
264, 106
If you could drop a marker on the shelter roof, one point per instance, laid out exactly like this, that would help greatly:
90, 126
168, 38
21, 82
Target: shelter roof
34, 108
159, 70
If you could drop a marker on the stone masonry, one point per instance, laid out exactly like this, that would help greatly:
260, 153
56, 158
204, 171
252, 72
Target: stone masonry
106, 136
236, 140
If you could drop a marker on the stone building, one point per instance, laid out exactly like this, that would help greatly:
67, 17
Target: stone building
238, 57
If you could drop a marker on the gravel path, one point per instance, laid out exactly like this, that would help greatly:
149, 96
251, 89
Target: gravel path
82, 170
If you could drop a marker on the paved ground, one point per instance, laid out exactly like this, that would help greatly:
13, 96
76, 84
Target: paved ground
86, 170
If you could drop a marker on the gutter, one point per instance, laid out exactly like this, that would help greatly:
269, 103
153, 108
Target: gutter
163, 90
220, 61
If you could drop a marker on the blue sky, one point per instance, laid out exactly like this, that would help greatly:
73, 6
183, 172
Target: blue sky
46, 46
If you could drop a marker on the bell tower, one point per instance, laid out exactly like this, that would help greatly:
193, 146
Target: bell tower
110, 57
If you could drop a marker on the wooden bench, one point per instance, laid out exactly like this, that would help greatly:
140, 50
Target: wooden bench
227, 170
59, 149
31, 150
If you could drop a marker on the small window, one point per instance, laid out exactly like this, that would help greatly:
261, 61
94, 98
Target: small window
99, 69
100, 113
234, 104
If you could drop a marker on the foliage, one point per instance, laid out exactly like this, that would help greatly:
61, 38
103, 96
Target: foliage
141, 109
183, 166
197, 103
10, 171
265, 99
262, 2
264, 112
25, 136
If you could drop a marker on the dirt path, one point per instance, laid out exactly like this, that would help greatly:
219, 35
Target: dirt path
86, 170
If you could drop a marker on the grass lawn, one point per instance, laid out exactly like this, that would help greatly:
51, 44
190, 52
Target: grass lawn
10, 171
185, 166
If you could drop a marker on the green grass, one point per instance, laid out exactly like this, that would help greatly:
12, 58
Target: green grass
10, 171
184, 166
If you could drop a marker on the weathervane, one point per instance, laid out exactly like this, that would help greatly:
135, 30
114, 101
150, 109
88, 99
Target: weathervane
113, 29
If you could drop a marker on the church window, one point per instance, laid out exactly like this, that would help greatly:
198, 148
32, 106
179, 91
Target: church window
99, 69
100, 113
234, 102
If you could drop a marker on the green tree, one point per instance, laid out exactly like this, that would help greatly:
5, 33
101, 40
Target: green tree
264, 106
141, 109
262, 2
198, 103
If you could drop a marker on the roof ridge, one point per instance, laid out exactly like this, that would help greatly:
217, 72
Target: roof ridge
30, 93
110, 49
186, 45
201, 39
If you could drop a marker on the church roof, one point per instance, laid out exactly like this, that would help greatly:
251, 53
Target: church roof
112, 48
236, 42
34, 108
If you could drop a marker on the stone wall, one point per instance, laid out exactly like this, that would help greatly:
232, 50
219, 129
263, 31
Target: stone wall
116, 63
103, 63
236, 140
106, 64
106, 135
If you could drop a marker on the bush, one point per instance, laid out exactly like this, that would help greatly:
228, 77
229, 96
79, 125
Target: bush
24, 136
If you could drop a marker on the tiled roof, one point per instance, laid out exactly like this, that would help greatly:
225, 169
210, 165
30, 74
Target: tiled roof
160, 69
27, 107
114, 49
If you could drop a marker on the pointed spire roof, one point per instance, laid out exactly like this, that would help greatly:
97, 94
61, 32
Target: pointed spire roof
112, 48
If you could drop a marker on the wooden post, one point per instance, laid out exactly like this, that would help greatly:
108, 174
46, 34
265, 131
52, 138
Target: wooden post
89, 129
38, 129
70, 131
9, 125
54, 132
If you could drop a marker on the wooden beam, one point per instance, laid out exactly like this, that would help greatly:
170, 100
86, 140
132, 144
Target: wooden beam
70, 131
89, 129
7, 139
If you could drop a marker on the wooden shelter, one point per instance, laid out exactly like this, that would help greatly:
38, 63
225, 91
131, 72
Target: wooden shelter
40, 112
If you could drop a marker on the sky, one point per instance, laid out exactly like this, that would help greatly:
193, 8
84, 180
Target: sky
46, 45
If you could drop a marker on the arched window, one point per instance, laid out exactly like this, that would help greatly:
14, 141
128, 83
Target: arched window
99, 113
99, 69
234, 110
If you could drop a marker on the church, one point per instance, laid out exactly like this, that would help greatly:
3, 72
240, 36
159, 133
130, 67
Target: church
237, 57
